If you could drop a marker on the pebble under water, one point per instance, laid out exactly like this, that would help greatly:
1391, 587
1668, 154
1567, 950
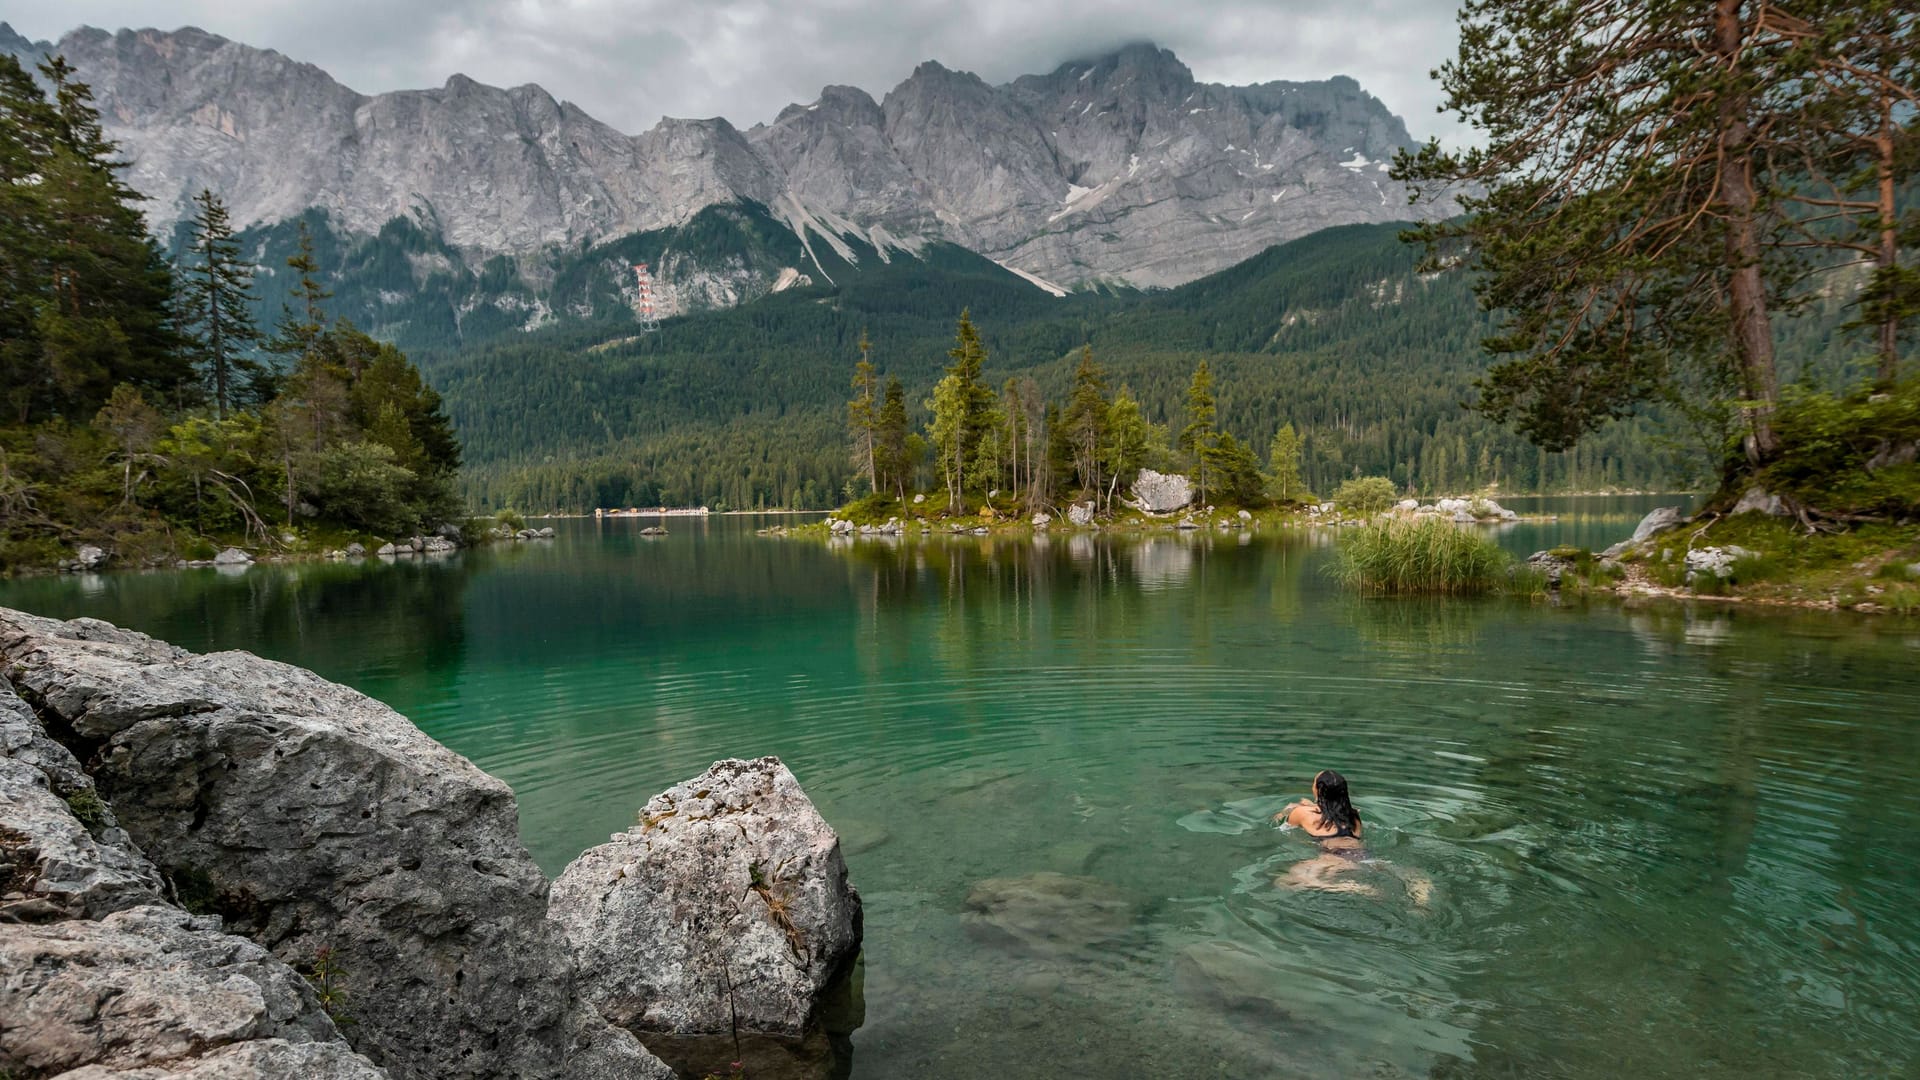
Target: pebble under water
1665, 840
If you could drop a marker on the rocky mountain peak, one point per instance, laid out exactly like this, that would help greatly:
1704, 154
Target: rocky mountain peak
1117, 167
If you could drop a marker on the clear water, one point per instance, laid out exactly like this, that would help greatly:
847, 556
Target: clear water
1664, 841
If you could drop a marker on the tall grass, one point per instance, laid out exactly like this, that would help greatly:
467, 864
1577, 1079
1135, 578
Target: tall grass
1423, 556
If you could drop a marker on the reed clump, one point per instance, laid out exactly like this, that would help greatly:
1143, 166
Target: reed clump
1421, 557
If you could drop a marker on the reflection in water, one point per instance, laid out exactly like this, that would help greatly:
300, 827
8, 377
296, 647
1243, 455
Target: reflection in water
1669, 840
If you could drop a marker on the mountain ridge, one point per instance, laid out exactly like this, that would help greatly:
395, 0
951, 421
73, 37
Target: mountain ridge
1120, 168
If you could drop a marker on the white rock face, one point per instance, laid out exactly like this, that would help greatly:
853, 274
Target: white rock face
727, 903
313, 817
1161, 493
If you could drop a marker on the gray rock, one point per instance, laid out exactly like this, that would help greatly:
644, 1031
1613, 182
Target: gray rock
1161, 493
728, 903
388, 550
1049, 914
89, 557
1717, 561
439, 545
546, 533
232, 557
1657, 522
260, 1059
918, 499
1042, 520
150, 986
1080, 513
356, 550
314, 817
1408, 505
1245, 516
1758, 501
1553, 566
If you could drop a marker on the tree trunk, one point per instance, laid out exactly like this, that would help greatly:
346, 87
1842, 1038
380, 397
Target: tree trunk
1746, 287
1889, 258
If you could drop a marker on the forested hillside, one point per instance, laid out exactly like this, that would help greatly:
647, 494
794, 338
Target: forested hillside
1335, 333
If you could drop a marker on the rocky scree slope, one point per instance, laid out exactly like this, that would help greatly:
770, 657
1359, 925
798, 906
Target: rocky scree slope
299, 814
1121, 168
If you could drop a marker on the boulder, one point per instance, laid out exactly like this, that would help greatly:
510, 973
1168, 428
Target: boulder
661, 530
1048, 914
1452, 506
1161, 493
546, 532
388, 550
1552, 565
725, 908
150, 986
1717, 561
232, 557
1758, 501
440, 545
1245, 516
89, 557
101, 976
1408, 505
1659, 521
312, 818
1080, 513
1042, 520
918, 499
356, 549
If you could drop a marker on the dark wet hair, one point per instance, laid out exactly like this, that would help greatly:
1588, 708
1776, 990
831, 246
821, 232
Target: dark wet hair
1330, 796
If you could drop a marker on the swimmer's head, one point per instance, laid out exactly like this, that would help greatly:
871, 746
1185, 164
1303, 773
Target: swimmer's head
1330, 796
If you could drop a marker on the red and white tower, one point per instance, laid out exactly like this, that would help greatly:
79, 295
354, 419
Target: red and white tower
643, 301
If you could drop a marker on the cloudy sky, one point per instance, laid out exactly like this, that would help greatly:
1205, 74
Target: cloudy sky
629, 62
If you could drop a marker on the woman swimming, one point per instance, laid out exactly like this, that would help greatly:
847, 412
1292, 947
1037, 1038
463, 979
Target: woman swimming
1331, 819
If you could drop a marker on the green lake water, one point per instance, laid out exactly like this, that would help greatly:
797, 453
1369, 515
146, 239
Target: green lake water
1673, 840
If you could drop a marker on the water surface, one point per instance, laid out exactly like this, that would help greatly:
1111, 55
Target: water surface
1667, 841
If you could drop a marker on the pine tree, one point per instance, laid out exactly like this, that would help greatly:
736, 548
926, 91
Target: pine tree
1129, 441
299, 331
1283, 465
863, 416
1086, 420
219, 301
891, 460
1200, 438
1622, 211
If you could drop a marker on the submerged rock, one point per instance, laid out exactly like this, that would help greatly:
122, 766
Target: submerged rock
1161, 493
315, 818
727, 908
1048, 914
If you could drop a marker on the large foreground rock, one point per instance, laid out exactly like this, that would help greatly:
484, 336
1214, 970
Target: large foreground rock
727, 907
314, 818
101, 976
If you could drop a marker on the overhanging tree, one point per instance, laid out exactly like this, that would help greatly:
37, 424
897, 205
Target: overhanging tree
1623, 208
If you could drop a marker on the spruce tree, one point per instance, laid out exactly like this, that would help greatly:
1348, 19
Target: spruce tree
891, 440
1086, 420
1201, 436
1283, 465
219, 303
863, 416
298, 331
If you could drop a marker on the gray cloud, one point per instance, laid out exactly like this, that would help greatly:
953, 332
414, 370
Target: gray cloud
629, 62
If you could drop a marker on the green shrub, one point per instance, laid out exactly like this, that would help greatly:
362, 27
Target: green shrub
89, 808
872, 509
1827, 443
511, 519
1366, 495
1423, 556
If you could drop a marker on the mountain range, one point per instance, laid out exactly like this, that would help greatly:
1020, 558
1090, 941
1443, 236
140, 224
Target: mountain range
1119, 170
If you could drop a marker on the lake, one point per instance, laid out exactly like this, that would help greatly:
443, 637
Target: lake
1665, 840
